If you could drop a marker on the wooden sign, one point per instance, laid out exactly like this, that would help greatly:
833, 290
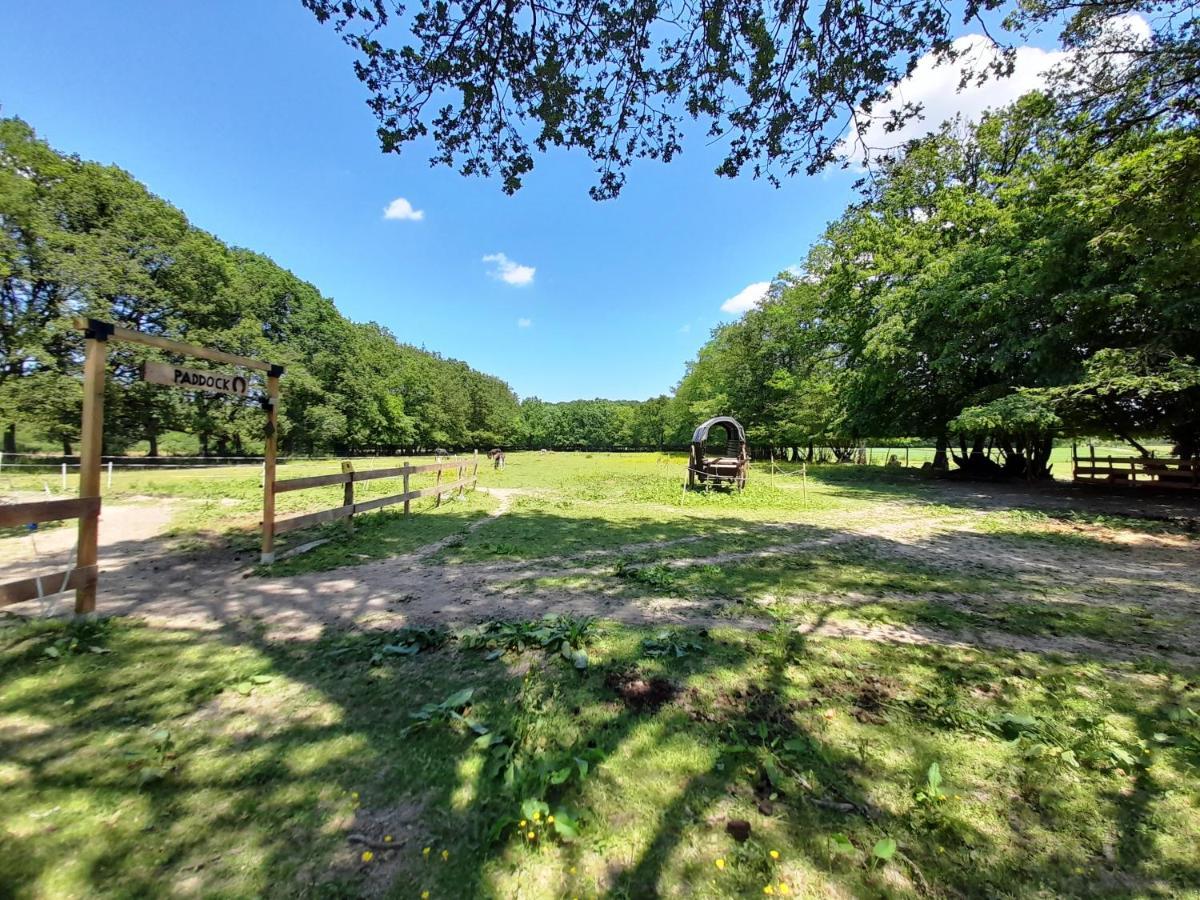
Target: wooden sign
161, 373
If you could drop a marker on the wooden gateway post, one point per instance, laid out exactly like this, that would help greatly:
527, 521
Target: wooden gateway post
98, 333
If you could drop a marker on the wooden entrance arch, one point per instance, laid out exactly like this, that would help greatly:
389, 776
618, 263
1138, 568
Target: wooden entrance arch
98, 333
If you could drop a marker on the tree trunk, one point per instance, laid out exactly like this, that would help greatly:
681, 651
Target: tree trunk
1140, 449
152, 437
66, 445
940, 461
10, 438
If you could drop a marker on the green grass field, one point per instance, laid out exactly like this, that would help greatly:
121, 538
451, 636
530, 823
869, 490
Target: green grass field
888, 687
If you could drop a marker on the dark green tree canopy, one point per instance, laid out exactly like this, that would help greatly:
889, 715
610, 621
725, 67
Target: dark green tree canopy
999, 283
781, 82
78, 238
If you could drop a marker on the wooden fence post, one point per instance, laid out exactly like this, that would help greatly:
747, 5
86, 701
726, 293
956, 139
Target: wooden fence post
272, 445
475, 472
462, 488
348, 491
437, 483
406, 509
90, 447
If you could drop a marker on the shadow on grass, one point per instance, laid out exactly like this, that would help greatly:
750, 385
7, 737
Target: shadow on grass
279, 750
1146, 509
253, 792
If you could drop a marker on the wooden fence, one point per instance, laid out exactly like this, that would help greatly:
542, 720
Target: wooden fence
16, 515
1138, 470
348, 478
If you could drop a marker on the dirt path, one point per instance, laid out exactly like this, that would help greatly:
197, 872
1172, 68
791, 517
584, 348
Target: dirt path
127, 532
205, 590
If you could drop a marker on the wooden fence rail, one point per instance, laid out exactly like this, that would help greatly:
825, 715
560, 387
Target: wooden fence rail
15, 515
348, 477
1138, 470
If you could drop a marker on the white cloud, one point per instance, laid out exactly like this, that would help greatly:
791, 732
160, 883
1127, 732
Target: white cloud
747, 298
508, 271
402, 210
934, 87
524, 323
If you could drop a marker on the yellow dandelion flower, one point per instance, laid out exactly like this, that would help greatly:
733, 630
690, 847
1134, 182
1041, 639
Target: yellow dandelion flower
531, 835
521, 824
549, 820
424, 895
783, 888
367, 856
387, 838
774, 854
768, 890
354, 795
719, 863
445, 855
571, 871
425, 852
537, 816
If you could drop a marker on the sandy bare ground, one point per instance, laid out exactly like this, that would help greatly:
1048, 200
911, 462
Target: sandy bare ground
128, 532
208, 589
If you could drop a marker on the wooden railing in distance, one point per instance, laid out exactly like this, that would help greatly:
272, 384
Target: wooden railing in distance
1160, 472
15, 515
349, 478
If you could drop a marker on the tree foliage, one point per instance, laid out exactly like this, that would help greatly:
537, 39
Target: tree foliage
996, 283
78, 238
781, 82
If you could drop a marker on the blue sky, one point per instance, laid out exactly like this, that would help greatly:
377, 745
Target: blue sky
248, 117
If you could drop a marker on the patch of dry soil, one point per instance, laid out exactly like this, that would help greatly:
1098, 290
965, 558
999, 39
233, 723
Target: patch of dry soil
206, 590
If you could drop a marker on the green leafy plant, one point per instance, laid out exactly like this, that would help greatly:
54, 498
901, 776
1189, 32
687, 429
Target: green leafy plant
840, 846
152, 760
410, 642
78, 637
658, 576
673, 643
931, 793
449, 710
501, 637
246, 686
1083, 741
566, 635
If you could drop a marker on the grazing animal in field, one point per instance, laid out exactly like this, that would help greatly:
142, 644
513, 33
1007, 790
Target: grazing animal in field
496, 455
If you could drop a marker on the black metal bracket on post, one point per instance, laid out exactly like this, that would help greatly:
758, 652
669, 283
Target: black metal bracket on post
276, 370
98, 330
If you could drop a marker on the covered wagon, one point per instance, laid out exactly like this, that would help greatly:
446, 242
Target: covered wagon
731, 463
